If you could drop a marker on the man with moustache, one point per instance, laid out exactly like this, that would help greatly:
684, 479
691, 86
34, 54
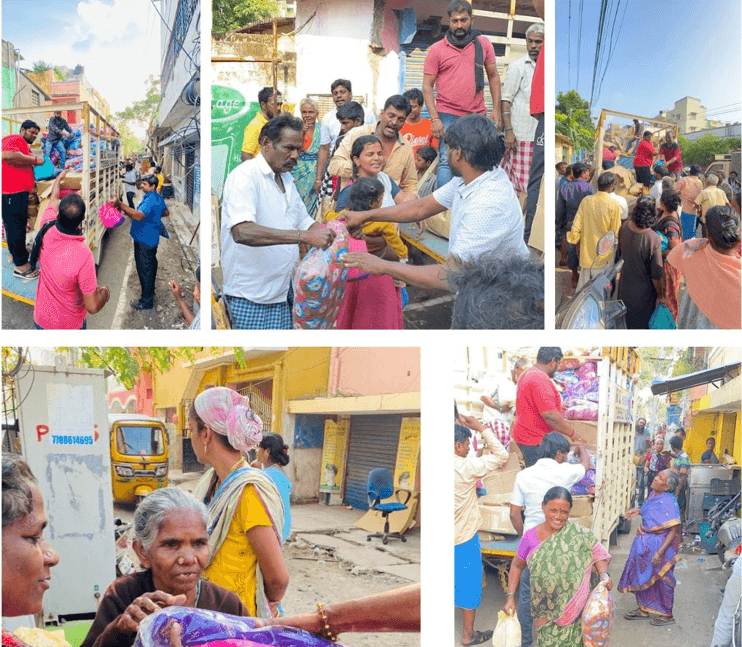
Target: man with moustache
519, 126
456, 67
18, 182
264, 221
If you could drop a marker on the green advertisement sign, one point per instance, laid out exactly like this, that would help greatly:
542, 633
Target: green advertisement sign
230, 114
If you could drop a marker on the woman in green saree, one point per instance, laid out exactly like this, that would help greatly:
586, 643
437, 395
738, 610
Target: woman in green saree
308, 181
560, 555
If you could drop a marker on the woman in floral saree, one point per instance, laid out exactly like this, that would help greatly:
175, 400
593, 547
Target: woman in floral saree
649, 569
561, 556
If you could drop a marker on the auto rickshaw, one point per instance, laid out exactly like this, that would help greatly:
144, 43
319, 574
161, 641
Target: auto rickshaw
139, 455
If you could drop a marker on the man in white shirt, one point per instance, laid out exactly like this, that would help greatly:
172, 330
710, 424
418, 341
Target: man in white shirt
342, 93
263, 222
531, 484
467, 521
622, 202
518, 124
485, 214
130, 184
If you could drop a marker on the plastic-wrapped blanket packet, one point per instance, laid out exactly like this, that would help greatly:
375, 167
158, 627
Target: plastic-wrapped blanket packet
214, 629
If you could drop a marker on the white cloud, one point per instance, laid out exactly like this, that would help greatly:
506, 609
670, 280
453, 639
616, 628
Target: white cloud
118, 44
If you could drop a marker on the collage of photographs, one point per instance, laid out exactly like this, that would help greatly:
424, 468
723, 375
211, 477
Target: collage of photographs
371, 166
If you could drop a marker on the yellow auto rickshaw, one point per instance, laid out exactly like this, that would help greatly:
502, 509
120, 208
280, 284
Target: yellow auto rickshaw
139, 455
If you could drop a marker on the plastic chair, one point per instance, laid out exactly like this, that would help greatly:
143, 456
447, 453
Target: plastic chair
381, 486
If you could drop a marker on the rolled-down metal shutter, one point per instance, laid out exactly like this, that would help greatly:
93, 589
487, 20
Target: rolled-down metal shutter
373, 443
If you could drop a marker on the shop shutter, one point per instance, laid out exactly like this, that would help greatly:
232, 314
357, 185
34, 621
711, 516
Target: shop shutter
373, 443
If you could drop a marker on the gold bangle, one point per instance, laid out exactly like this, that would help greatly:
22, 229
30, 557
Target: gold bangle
327, 631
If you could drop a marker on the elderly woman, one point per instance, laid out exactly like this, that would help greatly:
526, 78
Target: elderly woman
308, 180
560, 556
712, 271
641, 287
172, 545
27, 558
246, 512
654, 552
671, 235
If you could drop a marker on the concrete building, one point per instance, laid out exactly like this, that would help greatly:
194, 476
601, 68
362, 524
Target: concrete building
176, 133
379, 46
341, 411
723, 132
690, 116
19, 89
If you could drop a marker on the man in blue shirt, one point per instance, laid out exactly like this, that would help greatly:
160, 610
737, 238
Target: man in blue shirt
146, 221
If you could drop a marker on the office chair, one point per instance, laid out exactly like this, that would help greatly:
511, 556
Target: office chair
381, 486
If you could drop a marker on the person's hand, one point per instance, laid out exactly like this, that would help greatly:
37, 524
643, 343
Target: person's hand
175, 289
115, 202
353, 221
606, 579
317, 237
308, 622
509, 606
510, 140
436, 128
632, 513
646, 469
365, 262
505, 407
656, 559
470, 421
577, 439
273, 606
317, 186
63, 174
496, 117
174, 633
105, 293
143, 606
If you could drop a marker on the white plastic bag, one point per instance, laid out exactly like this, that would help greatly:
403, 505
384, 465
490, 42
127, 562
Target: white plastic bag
597, 618
507, 631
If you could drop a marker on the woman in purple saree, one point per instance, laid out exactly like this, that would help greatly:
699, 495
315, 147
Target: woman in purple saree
649, 569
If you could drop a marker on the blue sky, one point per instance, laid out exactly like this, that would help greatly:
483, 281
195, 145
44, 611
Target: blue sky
117, 41
668, 49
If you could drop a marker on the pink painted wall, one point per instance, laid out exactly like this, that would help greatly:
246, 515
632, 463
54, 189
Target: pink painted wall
372, 371
145, 394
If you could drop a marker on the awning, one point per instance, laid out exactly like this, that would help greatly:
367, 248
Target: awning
359, 404
690, 380
180, 137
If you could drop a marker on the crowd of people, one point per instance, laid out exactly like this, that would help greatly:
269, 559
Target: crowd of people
298, 174
679, 242
220, 548
550, 576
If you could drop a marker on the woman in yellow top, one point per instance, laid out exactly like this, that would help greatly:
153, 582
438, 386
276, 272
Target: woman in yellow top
246, 513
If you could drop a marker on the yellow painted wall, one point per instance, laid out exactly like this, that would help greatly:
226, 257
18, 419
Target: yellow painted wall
168, 387
703, 426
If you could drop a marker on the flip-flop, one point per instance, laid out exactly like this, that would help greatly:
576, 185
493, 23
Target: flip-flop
661, 622
634, 615
30, 274
480, 637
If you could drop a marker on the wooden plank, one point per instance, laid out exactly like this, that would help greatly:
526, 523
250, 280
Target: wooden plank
498, 15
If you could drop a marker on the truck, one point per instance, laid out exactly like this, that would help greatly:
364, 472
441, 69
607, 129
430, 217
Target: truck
610, 437
98, 181
725, 164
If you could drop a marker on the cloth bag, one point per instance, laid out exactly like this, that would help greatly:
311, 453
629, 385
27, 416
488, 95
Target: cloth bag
110, 216
319, 282
597, 617
662, 319
507, 631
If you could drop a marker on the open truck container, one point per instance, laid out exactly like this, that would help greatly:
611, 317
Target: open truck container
96, 185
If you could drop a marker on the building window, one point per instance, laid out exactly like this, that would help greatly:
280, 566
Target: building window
183, 15
35, 98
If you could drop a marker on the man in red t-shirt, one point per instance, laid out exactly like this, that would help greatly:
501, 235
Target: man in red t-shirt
645, 155
456, 67
417, 130
670, 151
538, 405
18, 182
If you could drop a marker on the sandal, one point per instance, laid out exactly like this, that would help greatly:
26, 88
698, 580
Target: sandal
635, 615
30, 274
661, 622
480, 637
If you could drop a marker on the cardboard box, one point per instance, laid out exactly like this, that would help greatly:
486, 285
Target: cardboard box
496, 499
496, 518
587, 522
582, 506
501, 480
588, 430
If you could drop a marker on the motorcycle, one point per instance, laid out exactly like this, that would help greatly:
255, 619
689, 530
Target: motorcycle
594, 306
724, 521
124, 565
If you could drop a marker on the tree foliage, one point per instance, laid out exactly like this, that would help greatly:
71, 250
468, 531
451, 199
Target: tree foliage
573, 120
144, 110
702, 151
129, 141
229, 15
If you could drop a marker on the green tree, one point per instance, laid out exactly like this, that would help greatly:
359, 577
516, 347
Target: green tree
129, 141
144, 110
702, 151
229, 15
571, 103
39, 67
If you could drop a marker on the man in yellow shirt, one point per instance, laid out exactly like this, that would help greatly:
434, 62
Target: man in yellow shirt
711, 196
270, 106
596, 215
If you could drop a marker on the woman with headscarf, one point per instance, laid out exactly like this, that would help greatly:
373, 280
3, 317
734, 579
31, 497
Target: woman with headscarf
246, 513
712, 271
